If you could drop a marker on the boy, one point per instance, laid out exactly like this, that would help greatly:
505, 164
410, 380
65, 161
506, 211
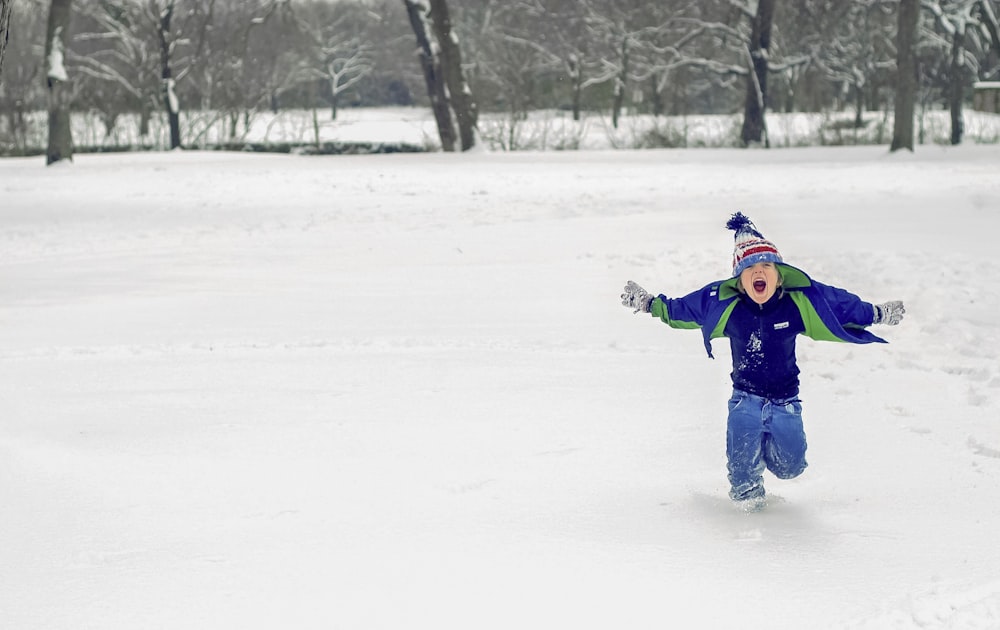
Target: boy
762, 308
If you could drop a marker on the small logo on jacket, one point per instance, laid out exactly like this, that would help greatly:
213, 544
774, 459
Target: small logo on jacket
781, 325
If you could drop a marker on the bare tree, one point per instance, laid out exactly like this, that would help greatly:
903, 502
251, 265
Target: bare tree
523, 42
459, 93
625, 35
634, 46
395, 78
163, 16
716, 39
509, 62
670, 49
441, 60
57, 81
990, 23
179, 29
956, 26
572, 50
430, 64
5, 10
967, 28
754, 127
339, 51
346, 64
22, 91
249, 59
857, 49
618, 27
906, 74
121, 59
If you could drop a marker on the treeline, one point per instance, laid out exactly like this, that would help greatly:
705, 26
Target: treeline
664, 57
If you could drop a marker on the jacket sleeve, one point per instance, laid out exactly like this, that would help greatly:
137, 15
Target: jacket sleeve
850, 310
688, 312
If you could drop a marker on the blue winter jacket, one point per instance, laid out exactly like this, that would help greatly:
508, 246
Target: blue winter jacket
828, 313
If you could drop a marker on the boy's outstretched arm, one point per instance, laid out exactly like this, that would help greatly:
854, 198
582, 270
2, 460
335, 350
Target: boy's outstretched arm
890, 313
636, 298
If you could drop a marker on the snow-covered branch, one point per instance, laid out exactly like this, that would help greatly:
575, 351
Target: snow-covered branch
988, 20
55, 68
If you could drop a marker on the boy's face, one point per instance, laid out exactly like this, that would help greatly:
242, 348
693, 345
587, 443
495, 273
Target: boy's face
760, 281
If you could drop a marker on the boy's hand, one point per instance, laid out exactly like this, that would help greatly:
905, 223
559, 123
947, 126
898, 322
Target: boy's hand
890, 313
635, 297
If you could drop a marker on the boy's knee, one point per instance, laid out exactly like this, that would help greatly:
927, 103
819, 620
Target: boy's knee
786, 461
787, 469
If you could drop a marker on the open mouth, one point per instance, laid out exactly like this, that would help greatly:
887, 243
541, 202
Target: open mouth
759, 286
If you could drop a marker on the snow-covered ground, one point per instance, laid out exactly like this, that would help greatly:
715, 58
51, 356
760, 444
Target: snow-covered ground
259, 391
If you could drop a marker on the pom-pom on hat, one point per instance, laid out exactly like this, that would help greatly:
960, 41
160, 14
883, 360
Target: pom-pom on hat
751, 246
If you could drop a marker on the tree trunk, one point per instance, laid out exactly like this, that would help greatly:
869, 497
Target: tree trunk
315, 121
859, 105
5, 10
616, 103
18, 124
658, 108
794, 76
145, 113
576, 78
57, 82
754, 127
460, 96
436, 90
956, 85
166, 74
906, 74
110, 120
620, 85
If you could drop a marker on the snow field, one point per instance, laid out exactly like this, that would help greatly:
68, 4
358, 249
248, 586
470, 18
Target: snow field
245, 391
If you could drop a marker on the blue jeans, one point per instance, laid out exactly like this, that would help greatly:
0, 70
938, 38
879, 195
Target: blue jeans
763, 433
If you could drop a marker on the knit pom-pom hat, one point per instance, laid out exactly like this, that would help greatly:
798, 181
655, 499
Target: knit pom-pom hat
751, 246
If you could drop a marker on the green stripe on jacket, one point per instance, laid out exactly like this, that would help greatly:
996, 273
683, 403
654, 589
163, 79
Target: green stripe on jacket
815, 328
659, 309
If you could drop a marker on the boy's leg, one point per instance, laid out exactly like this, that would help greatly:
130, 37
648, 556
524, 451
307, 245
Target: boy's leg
784, 440
744, 438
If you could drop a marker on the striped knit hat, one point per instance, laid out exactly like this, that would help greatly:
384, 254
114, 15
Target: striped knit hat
751, 246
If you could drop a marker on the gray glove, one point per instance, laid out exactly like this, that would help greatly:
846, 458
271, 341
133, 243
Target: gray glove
635, 297
890, 313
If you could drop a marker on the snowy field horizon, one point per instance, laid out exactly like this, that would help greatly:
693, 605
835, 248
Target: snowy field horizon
541, 130
400, 392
